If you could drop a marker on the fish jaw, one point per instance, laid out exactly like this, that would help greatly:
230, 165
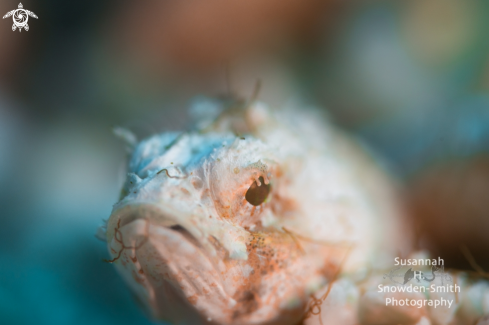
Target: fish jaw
164, 265
179, 279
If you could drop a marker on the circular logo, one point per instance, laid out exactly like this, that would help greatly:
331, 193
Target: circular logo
20, 17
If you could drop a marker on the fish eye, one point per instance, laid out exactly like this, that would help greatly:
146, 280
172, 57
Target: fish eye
256, 195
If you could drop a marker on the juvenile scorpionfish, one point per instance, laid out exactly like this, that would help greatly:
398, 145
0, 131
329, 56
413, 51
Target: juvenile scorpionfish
244, 218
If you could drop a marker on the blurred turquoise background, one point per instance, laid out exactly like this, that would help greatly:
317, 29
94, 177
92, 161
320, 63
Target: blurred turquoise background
410, 78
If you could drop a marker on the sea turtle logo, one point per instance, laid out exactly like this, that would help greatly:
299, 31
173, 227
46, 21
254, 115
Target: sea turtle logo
20, 17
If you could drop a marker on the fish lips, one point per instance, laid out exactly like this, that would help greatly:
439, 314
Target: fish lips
167, 268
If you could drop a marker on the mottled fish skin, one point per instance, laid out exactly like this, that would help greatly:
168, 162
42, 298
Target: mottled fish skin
194, 250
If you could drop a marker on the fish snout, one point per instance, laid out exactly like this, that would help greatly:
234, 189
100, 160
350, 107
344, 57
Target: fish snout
166, 267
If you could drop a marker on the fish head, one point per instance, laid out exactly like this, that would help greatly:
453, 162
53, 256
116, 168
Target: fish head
211, 226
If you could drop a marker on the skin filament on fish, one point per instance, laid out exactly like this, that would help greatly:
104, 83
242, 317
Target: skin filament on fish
314, 307
118, 238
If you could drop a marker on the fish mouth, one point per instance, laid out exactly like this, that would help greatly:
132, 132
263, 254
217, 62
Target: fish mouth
178, 278
168, 268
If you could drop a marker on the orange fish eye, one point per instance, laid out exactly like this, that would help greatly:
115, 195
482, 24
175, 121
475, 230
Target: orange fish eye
256, 195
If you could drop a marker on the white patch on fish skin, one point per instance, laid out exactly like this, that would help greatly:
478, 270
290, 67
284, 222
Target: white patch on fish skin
247, 270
